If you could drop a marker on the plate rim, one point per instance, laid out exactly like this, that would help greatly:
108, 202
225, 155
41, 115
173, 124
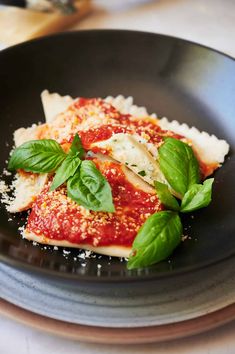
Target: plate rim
125, 335
74, 277
105, 30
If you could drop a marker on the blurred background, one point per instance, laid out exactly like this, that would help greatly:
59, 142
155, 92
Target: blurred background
210, 22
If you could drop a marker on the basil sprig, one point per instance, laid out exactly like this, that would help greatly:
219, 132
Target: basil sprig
181, 170
70, 165
38, 156
76, 148
89, 188
67, 169
156, 239
179, 165
162, 231
85, 184
198, 196
167, 199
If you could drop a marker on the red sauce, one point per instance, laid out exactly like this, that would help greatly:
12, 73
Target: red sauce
151, 131
147, 128
124, 123
102, 133
92, 103
206, 169
113, 123
57, 217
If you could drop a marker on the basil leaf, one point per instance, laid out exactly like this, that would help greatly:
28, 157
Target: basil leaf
89, 188
156, 239
38, 156
198, 196
179, 165
66, 170
76, 147
165, 196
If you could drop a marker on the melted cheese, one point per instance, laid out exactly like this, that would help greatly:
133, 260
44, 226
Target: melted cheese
129, 151
135, 180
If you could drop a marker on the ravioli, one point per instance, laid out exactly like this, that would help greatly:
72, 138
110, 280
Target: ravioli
124, 117
57, 220
123, 140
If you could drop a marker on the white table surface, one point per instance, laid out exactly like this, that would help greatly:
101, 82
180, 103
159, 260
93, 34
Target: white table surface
210, 22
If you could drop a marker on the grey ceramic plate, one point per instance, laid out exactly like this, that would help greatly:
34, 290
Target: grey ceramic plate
160, 302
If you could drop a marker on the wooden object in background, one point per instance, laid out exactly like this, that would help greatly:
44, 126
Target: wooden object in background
19, 24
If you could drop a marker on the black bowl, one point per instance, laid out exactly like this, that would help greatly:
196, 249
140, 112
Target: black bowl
170, 76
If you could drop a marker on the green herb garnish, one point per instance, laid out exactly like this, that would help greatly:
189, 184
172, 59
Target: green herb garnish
161, 233
142, 173
156, 239
70, 165
85, 184
38, 156
179, 165
198, 196
89, 188
166, 198
67, 169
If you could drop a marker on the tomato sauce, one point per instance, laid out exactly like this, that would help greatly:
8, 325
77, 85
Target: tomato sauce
206, 169
147, 128
99, 134
56, 216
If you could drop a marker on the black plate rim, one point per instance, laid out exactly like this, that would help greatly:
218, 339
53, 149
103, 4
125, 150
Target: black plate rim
82, 279
105, 30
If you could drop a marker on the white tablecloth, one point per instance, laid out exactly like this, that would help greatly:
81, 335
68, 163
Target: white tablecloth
210, 22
